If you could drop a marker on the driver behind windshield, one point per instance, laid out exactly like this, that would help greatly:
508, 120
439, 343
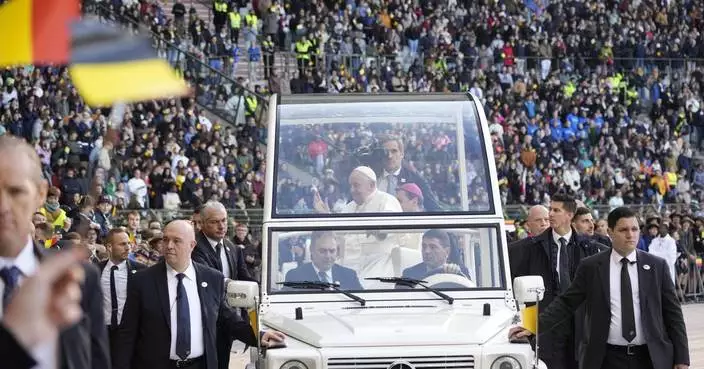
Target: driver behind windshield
436, 250
323, 266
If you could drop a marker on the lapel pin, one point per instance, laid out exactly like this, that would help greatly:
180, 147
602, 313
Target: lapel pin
646, 267
204, 284
134, 271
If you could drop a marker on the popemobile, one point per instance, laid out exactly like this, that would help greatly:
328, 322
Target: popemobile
384, 241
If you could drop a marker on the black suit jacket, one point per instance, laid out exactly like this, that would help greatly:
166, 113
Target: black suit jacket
661, 315
85, 344
205, 254
532, 256
14, 356
347, 277
144, 338
132, 268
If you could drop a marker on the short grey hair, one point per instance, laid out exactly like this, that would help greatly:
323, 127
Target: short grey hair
212, 206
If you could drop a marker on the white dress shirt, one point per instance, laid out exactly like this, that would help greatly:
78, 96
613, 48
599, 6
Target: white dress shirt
556, 237
191, 285
666, 248
120, 289
615, 334
222, 256
45, 354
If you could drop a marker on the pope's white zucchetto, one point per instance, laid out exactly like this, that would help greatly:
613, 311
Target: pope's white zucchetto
368, 172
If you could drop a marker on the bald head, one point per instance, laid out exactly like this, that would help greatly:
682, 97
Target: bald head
179, 241
213, 218
538, 219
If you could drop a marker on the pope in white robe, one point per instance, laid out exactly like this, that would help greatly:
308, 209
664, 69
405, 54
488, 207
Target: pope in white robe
666, 248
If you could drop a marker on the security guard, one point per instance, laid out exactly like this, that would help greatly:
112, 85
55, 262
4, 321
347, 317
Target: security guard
303, 47
220, 10
268, 52
250, 104
235, 23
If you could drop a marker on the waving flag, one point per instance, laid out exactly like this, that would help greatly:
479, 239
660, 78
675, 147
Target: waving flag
107, 65
36, 31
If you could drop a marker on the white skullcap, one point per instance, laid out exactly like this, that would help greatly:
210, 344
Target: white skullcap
368, 172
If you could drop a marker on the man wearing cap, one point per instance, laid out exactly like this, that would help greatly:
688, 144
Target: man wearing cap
103, 216
365, 196
411, 198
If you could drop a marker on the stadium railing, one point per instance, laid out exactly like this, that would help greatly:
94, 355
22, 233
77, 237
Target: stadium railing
205, 76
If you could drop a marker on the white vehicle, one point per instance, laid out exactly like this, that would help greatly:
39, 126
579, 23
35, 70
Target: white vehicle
384, 240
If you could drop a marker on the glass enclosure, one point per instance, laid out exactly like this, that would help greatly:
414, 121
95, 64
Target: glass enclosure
447, 258
367, 158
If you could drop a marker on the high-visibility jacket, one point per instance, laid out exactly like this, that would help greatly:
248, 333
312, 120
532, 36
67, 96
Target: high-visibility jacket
220, 6
250, 105
235, 20
57, 220
302, 49
251, 20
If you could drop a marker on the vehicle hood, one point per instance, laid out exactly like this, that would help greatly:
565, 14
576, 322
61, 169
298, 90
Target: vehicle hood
375, 326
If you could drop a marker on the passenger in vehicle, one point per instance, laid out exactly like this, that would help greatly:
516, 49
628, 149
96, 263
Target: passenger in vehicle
411, 198
323, 266
365, 196
436, 249
395, 174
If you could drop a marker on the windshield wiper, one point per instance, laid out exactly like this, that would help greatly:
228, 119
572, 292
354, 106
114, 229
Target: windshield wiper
318, 285
410, 282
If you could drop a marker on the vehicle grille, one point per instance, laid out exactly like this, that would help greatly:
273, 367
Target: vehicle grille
421, 362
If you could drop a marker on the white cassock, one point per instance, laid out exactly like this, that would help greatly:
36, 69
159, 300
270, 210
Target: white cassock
370, 254
666, 248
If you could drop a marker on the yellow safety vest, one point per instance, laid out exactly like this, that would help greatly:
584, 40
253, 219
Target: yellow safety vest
251, 102
250, 20
56, 222
302, 50
220, 7
235, 20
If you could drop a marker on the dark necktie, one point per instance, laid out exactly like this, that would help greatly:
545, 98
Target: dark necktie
113, 297
553, 259
183, 320
218, 251
392, 183
628, 320
10, 277
323, 277
564, 266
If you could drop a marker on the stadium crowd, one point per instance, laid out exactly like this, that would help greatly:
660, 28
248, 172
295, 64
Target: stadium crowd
597, 99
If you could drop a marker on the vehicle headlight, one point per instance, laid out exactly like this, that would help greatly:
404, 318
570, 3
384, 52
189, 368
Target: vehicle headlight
506, 362
295, 364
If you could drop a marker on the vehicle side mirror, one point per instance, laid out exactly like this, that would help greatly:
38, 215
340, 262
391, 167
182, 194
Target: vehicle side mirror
241, 294
528, 289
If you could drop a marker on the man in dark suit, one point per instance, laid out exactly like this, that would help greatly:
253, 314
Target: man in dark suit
46, 303
323, 254
23, 190
635, 319
555, 255
395, 175
173, 310
116, 274
216, 251
436, 251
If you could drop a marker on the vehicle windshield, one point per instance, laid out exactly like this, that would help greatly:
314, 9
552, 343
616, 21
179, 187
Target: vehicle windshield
445, 258
371, 158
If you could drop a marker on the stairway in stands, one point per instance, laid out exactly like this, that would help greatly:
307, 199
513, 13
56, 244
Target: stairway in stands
253, 72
